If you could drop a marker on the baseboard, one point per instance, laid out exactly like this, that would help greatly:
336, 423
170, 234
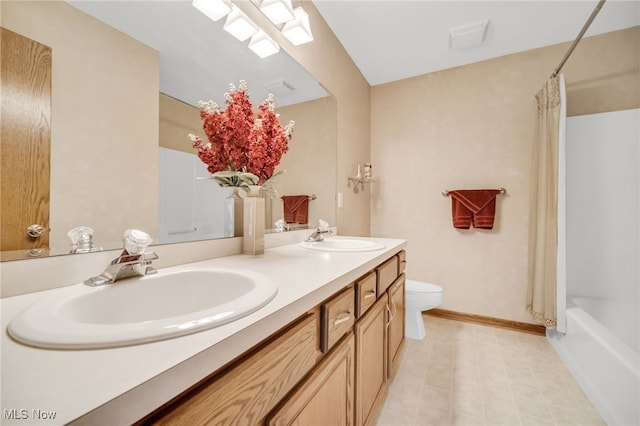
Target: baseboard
493, 322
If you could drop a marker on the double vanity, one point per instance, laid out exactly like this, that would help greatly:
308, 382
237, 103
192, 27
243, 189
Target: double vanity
301, 331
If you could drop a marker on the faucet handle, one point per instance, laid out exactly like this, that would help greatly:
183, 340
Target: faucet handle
136, 241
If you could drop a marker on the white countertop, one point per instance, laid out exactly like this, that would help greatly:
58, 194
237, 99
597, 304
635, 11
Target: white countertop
121, 385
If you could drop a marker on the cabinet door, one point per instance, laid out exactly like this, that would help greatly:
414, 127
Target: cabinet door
326, 397
371, 361
246, 393
396, 323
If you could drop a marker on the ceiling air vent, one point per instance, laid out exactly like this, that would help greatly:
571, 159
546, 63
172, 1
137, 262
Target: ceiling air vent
466, 36
280, 88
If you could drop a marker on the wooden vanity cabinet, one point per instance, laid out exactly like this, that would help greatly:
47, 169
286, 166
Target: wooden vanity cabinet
246, 392
338, 316
396, 323
330, 366
387, 274
326, 397
371, 361
365, 293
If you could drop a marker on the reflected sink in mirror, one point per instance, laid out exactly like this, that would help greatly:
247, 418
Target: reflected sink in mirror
141, 310
338, 244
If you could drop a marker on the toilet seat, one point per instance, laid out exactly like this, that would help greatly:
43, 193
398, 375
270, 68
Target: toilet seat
412, 286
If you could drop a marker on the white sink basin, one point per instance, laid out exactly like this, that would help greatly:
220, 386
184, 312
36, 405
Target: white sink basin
140, 310
343, 245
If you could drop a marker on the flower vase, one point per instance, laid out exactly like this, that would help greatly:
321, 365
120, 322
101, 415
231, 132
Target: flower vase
253, 235
238, 211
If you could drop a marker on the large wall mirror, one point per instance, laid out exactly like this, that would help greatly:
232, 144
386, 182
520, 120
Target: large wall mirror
125, 80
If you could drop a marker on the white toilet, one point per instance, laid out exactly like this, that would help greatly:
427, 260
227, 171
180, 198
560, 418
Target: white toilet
419, 296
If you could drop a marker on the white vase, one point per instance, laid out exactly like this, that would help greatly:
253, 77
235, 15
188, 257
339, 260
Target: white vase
253, 224
238, 211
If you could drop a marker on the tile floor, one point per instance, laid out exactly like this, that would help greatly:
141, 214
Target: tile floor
470, 374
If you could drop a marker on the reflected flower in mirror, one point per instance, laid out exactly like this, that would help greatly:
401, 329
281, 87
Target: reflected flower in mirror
243, 148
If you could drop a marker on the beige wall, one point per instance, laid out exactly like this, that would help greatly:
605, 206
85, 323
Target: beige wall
104, 121
177, 120
310, 163
328, 62
473, 127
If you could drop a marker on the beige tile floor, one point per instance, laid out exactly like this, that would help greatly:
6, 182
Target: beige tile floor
470, 374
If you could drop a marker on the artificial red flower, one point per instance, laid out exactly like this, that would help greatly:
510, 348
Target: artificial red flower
240, 141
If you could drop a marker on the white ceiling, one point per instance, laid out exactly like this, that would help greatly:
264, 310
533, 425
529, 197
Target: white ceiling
388, 40
391, 40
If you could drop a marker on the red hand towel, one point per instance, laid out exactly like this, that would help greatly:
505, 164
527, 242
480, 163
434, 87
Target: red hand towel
478, 205
296, 208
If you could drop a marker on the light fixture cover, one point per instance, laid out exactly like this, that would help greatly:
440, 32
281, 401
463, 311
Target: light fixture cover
239, 25
262, 45
298, 31
214, 9
278, 11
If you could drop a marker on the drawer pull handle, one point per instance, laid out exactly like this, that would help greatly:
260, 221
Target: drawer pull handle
344, 317
390, 316
370, 294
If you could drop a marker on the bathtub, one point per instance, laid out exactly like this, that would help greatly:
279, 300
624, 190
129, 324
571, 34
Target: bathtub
605, 363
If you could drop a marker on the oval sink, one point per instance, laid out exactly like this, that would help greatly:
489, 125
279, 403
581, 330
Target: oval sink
342, 245
140, 310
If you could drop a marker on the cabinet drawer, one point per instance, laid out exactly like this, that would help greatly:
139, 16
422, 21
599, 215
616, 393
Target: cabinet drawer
365, 293
387, 274
402, 261
338, 316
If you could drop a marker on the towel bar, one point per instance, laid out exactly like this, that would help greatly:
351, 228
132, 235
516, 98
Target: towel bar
445, 193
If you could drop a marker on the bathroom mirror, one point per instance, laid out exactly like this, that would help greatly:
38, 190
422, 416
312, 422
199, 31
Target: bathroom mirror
105, 132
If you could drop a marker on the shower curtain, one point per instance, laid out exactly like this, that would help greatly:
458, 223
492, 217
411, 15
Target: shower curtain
543, 210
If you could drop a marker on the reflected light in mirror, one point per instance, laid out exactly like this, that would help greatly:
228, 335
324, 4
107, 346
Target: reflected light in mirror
278, 11
262, 45
214, 9
239, 25
298, 31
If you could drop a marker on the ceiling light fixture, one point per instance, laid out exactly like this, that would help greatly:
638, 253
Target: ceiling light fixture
214, 9
239, 25
262, 45
278, 11
298, 30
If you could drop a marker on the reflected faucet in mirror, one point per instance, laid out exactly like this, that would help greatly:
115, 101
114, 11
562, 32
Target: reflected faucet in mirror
82, 240
133, 261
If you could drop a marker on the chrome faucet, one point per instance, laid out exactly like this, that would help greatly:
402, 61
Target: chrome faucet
318, 235
133, 261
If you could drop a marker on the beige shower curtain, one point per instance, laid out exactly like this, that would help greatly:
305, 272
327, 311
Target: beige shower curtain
543, 210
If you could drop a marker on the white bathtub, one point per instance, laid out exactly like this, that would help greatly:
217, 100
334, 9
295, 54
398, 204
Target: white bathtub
605, 365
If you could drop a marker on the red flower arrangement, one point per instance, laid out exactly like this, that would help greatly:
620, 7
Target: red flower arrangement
243, 149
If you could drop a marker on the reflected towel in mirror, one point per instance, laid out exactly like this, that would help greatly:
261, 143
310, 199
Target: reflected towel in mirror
296, 208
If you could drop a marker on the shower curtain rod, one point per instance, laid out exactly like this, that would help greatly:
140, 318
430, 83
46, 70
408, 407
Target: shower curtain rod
577, 40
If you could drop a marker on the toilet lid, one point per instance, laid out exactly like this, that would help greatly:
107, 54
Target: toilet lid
422, 287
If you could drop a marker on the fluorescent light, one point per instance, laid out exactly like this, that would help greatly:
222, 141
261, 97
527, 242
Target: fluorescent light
239, 25
298, 31
262, 45
278, 11
214, 9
